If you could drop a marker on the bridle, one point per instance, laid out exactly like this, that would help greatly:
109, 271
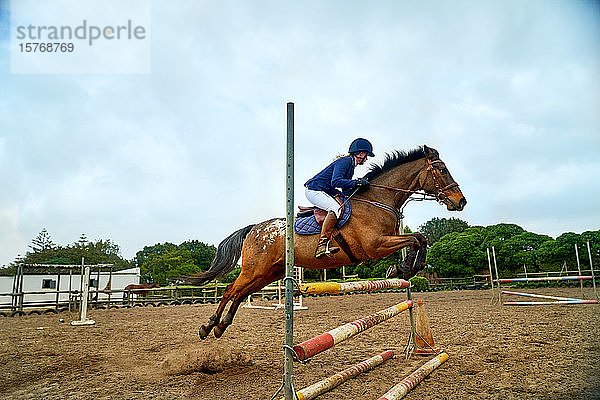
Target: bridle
440, 193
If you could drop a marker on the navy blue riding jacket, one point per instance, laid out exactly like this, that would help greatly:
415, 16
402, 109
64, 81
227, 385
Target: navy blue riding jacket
338, 174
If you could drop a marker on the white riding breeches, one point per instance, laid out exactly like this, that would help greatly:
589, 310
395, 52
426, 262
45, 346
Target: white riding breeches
324, 201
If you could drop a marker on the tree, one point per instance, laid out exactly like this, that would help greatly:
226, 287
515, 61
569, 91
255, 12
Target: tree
83, 241
554, 254
166, 266
202, 253
42, 242
436, 228
166, 261
522, 249
457, 254
97, 252
143, 255
594, 238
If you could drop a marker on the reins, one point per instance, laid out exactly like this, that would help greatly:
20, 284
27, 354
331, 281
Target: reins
421, 192
440, 196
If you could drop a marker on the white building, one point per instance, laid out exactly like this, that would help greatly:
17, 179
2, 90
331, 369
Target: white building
47, 285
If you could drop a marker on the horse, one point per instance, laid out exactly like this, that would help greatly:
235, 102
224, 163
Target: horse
141, 293
372, 232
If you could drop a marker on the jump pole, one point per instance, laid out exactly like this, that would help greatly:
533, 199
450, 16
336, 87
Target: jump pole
288, 367
329, 339
539, 303
557, 300
408, 383
348, 287
334, 381
547, 278
541, 296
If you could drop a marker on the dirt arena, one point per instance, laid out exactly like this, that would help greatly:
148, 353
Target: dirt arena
542, 352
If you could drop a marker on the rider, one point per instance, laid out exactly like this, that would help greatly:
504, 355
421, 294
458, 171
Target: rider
321, 190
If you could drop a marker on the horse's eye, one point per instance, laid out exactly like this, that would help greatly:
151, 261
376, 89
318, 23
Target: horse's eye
444, 171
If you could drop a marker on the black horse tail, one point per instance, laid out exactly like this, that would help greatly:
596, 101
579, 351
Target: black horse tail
228, 254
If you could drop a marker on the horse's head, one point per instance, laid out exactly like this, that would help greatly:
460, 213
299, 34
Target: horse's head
436, 180
155, 285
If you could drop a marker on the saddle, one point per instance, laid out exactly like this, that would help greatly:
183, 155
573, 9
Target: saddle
317, 212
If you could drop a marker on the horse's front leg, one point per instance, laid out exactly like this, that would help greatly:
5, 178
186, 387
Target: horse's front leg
414, 261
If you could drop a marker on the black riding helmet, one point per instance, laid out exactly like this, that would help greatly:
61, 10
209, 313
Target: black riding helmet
361, 144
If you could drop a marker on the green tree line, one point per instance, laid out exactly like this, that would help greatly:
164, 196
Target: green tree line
464, 253
455, 250
162, 263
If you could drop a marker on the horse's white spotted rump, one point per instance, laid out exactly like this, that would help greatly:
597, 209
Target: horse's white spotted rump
269, 231
274, 229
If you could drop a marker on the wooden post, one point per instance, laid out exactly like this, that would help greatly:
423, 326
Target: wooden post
57, 289
110, 288
70, 289
84, 300
21, 294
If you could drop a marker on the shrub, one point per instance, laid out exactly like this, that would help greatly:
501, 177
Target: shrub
419, 283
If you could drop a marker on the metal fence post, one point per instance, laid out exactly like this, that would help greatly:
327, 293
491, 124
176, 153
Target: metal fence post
288, 369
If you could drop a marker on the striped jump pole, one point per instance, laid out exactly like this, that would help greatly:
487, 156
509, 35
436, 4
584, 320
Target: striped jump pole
348, 287
329, 339
408, 383
334, 381
541, 296
539, 303
548, 278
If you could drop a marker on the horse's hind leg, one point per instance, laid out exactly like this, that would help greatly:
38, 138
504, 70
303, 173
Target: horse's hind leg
214, 319
240, 293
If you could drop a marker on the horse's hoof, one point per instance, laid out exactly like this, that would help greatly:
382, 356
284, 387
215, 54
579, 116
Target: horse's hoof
218, 332
202, 332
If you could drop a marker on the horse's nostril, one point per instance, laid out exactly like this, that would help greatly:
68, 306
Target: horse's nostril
462, 203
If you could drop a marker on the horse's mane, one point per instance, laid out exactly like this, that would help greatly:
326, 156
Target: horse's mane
394, 159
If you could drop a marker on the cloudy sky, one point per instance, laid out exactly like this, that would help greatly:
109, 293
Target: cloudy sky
507, 91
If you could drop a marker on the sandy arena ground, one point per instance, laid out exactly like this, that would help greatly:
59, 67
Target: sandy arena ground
542, 352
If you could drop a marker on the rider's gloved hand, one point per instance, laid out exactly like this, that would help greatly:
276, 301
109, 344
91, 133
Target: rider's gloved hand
362, 182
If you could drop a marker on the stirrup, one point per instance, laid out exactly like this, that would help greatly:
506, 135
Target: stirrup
330, 251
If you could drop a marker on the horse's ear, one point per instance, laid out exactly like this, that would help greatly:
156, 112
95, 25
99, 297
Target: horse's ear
430, 152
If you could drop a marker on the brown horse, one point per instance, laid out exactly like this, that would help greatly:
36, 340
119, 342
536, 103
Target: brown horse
141, 293
370, 233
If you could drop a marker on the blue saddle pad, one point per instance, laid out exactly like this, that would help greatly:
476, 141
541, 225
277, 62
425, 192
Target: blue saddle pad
309, 225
